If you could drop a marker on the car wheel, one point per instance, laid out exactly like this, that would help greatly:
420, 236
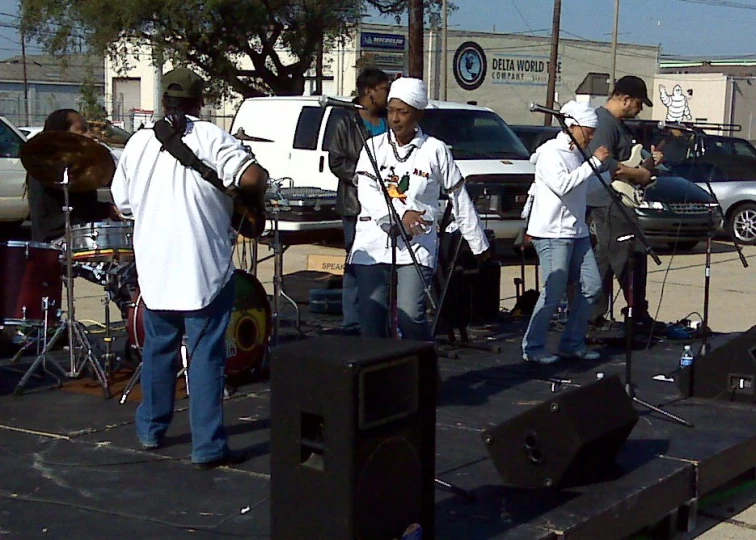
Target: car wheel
685, 245
742, 224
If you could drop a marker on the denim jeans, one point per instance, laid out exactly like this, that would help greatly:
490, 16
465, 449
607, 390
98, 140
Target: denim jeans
373, 287
563, 261
206, 345
349, 297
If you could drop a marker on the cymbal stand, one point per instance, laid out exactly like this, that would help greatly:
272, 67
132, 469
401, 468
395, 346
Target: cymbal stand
77, 334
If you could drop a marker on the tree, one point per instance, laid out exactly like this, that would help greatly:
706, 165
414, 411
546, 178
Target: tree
279, 38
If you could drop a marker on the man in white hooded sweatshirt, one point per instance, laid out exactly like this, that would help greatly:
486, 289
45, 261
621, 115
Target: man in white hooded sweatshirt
561, 238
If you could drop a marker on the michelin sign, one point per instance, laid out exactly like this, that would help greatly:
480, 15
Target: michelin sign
372, 40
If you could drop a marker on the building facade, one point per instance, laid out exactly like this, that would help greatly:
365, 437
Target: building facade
49, 84
503, 71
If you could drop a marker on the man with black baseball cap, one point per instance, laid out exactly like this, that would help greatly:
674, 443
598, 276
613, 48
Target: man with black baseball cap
627, 100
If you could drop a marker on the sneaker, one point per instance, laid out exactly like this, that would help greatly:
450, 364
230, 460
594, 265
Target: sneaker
232, 457
541, 358
585, 354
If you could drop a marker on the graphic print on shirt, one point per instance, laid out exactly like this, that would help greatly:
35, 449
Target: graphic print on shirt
676, 104
397, 187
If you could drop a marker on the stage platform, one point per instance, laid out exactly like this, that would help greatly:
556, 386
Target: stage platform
72, 467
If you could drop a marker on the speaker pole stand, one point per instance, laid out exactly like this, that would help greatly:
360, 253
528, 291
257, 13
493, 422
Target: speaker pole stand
630, 334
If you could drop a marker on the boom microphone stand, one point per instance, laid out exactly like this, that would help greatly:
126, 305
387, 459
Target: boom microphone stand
697, 151
636, 235
396, 229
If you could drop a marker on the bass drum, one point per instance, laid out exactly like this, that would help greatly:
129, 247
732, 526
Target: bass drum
248, 331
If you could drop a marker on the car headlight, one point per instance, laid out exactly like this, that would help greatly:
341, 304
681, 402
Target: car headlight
653, 205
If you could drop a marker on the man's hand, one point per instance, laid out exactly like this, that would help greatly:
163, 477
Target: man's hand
414, 223
657, 155
115, 214
483, 257
633, 175
601, 153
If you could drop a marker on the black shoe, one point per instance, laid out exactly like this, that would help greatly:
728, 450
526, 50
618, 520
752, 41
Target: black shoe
233, 457
644, 324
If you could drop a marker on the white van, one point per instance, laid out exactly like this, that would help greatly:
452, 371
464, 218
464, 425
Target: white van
290, 136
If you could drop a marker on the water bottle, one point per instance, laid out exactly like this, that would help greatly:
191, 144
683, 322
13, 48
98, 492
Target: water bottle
686, 360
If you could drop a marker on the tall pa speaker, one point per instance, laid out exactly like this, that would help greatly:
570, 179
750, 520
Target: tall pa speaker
572, 438
726, 373
352, 438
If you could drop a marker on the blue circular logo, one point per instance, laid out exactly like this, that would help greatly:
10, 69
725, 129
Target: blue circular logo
470, 65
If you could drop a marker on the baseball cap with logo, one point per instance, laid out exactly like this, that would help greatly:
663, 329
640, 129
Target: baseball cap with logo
634, 87
183, 83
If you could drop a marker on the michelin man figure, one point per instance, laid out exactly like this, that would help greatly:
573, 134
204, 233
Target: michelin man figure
677, 104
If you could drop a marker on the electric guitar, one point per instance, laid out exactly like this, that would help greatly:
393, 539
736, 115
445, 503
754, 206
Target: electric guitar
633, 195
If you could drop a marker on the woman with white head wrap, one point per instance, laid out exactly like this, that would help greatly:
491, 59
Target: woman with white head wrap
416, 169
560, 234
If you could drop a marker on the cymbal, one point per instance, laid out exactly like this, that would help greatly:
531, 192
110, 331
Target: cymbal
90, 164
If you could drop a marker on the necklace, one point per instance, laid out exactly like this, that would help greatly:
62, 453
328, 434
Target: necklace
396, 150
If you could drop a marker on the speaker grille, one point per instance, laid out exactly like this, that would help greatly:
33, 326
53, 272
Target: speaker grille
389, 491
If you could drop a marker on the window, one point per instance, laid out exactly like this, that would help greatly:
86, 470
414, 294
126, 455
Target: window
333, 120
474, 134
10, 143
743, 148
308, 128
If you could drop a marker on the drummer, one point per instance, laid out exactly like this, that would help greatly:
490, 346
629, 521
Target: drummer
46, 203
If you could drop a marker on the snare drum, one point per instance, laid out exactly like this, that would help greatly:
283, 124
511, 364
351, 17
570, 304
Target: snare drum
103, 242
30, 283
248, 331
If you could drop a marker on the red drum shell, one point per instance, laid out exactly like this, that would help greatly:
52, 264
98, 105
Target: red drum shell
29, 272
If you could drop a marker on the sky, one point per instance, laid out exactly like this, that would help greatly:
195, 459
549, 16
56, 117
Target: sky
681, 27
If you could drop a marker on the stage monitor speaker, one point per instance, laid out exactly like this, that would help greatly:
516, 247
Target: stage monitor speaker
726, 373
353, 425
571, 439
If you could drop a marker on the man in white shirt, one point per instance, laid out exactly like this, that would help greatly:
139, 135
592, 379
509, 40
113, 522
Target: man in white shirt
183, 245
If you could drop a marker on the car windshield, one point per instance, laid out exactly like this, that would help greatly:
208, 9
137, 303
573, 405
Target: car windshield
473, 134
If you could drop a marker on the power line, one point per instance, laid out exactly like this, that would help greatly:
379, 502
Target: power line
720, 3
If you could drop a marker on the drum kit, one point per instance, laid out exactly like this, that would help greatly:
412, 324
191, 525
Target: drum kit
33, 275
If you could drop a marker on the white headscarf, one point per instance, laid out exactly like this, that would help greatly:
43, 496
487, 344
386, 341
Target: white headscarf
581, 114
413, 92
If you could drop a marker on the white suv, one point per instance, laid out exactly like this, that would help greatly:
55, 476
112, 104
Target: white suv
14, 206
291, 135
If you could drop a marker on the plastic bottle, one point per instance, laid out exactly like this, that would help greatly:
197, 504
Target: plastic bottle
563, 311
686, 360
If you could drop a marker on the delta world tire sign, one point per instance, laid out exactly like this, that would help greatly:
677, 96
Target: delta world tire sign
470, 65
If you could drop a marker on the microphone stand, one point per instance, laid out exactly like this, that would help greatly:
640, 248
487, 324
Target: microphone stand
636, 235
707, 272
396, 230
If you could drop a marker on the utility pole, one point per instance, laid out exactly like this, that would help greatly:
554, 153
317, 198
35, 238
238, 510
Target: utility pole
319, 68
613, 74
26, 79
551, 86
445, 50
416, 38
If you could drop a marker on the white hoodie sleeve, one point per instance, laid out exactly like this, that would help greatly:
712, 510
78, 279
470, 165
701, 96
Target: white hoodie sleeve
558, 178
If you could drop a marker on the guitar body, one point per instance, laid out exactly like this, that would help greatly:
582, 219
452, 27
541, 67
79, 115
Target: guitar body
633, 195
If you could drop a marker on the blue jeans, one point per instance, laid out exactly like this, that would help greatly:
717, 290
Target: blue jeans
373, 286
206, 346
350, 306
563, 261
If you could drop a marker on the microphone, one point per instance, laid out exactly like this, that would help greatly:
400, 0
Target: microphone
675, 125
535, 107
326, 101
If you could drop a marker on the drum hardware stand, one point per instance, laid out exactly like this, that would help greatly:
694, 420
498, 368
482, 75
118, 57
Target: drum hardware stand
43, 357
77, 335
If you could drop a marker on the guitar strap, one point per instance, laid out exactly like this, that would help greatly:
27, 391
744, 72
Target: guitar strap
175, 145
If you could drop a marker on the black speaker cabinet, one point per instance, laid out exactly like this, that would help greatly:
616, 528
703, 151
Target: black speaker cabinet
353, 425
572, 438
727, 372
